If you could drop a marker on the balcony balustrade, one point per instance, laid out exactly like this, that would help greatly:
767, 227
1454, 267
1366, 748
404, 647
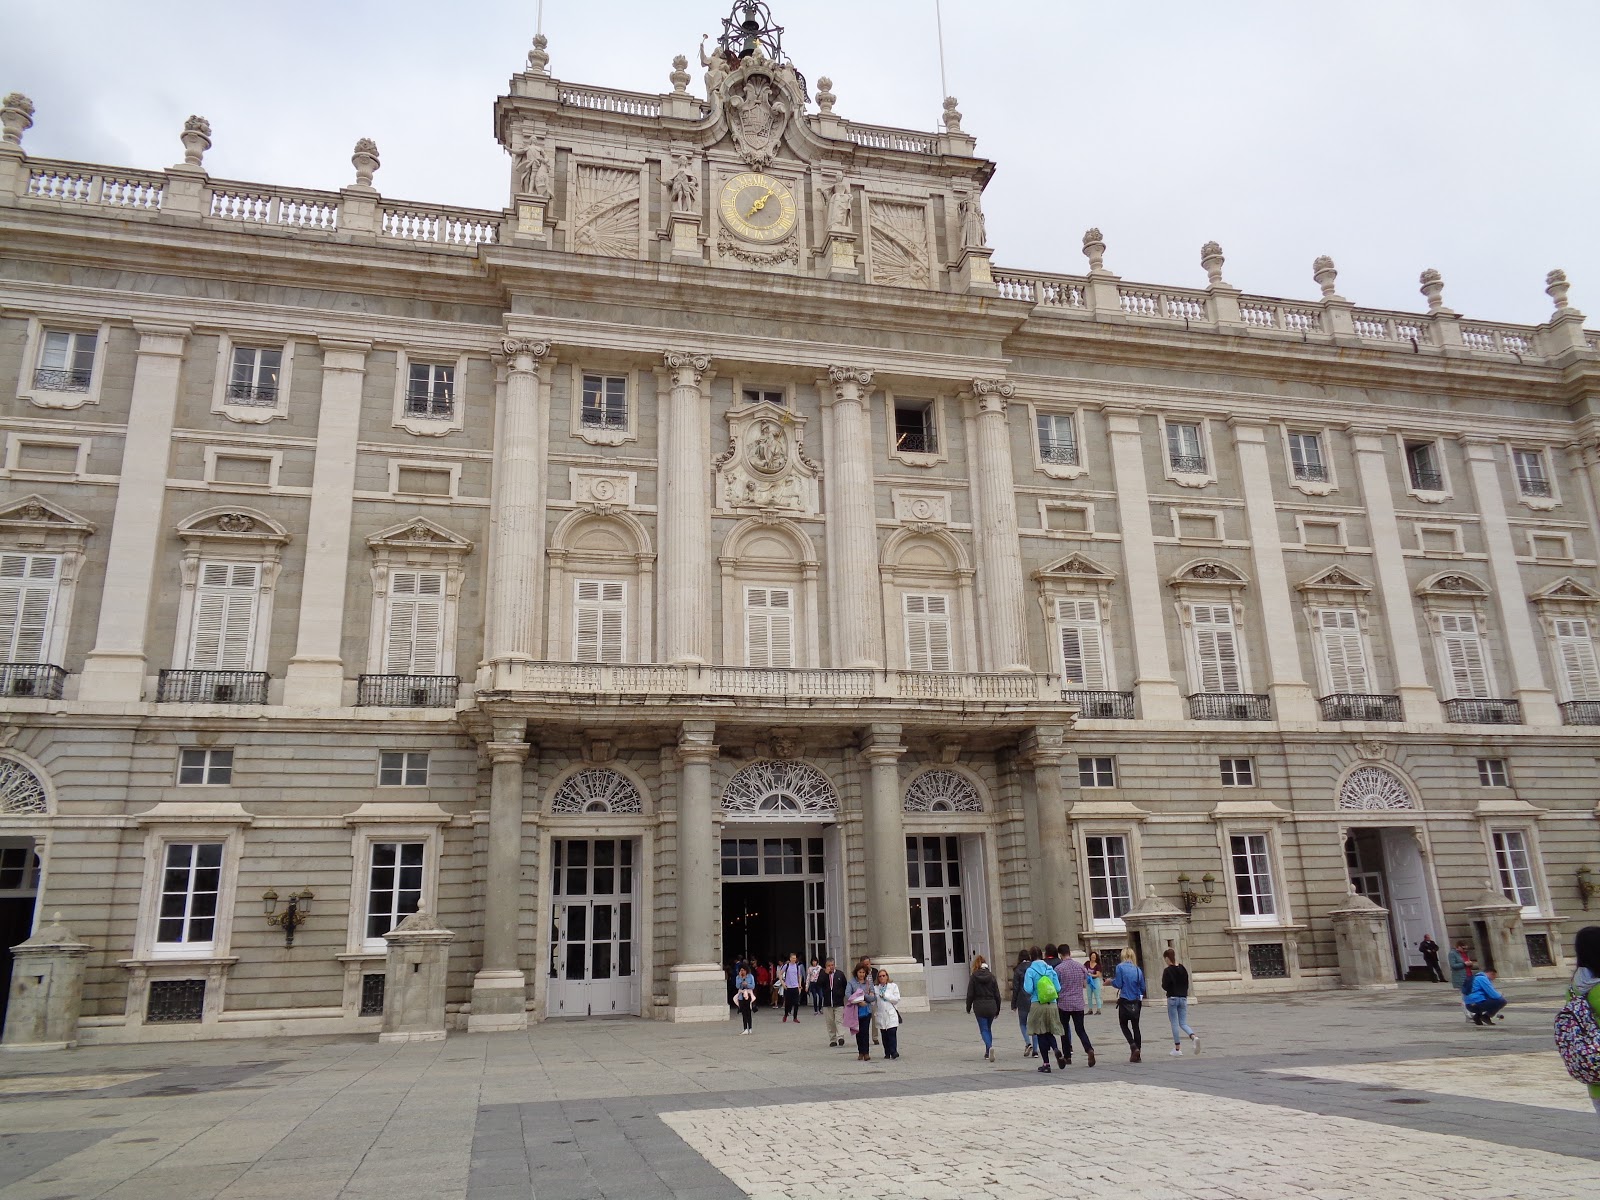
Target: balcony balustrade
1101, 706
36, 681
1229, 706
799, 685
407, 691
1581, 712
212, 687
1483, 712
1357, 706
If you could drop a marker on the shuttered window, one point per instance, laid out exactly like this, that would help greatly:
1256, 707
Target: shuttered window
1575, 650
768, 627
27, 605
927, 620
225, 605
1343, 655
599, 617
414, 639
1216, 648
1083, 661
1461, 657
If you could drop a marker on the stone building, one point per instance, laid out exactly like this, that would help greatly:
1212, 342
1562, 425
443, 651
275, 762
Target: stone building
709, 552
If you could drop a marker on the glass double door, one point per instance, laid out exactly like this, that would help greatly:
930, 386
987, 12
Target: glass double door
941, 917
594, 966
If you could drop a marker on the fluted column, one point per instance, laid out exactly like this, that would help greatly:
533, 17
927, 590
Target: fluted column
499, 989
999, 546
315, 678
516, 537
1586, 476
696, 987
852, 524
1153, 685
1420, 701
888, 912
115, 669
1043, 751
685, 532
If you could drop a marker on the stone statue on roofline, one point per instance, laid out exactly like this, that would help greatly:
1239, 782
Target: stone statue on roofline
531, 162
684, 184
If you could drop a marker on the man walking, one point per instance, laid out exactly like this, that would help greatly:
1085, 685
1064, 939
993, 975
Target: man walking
792, 973
1430, 956
1072, 976
831, 988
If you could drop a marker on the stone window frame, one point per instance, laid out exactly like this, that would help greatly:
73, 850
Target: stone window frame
1455, 531
1078, 577
189, 822
422, 545
13, 462
739, 571
262, 544
430, 427
636, 566
1568, 599
941, 423
1215, 515
1527, 824
604, 437
1446, 490
1535, 536
1231, 589
1546, 455
34, 525
1038, 408
252, 414
1086, 507
1302, 521
1240, 818
1438, 601
1187, 479
1108, 819
1338, 588
1309, 487
739, 383
956, 581
273, 459
38, 326
389, 822
452, 469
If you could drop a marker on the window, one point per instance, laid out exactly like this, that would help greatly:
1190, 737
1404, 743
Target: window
1058, 438
66, 361
225, 604
1305, 457
205, 767
1344, 656
1237, 772
768, 627
1097, 772
1252, 878
1532, 478
394, 885
1185, 449
19, 869
1512, 864
927, 632
1110, 889
1461, 657
191, 880
763, 396
431, 391
254, 376
27, 605
414, 632
1422, 466
1492, 772
599, 616
403, 768
605, 402
1580, 672
914, 431
1083, 660
1216, 648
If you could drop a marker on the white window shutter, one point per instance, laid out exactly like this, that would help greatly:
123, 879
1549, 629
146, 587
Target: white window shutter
769, 627
224, 623
1082, 646
927, 621
1579, 667
414, 641
1462, 654
27, 605
599, 620
1216, 648
1343, 654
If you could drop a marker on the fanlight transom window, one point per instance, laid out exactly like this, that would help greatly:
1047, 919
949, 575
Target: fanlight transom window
597, 790
770, 790
940, 790
1373, 788
21, 793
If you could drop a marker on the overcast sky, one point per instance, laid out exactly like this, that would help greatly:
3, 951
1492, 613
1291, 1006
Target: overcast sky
1392, 134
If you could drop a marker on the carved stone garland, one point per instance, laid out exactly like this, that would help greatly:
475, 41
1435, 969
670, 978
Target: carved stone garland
595, 790
774, 790
1374, 789
21, 793
942, 791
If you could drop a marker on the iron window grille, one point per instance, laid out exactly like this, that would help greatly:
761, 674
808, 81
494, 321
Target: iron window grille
431, 391
1311, 472
1059, 452
1580, 712
175, 1001
1188, 464
1539, 950
1268, 961
62, 379
372, 988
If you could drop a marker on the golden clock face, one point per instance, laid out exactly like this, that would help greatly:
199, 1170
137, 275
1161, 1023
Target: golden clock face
758, 207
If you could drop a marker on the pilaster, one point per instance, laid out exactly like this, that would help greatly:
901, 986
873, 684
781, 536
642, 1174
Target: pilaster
499, 989
999, 548
852, 524
686, 511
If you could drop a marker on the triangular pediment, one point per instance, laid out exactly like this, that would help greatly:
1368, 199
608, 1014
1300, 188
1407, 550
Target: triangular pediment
1569, 589
419, 532
36, 510
1334, 578
1076, 566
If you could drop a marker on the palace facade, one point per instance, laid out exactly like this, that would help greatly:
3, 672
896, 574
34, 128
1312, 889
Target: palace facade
711, 552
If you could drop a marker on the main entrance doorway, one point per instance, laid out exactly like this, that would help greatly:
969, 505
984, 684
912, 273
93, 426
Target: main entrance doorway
774, 896
19, 890
944, 886
1386, 867
594, 928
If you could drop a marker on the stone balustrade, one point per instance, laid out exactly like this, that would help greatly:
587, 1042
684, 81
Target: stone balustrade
630, 104
881, 137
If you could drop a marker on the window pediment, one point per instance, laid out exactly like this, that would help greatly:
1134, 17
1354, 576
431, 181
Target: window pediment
231, 525
1566, 590
419, 534
1453, 583
1075, 568
34, 515
1335, 579
1208, 573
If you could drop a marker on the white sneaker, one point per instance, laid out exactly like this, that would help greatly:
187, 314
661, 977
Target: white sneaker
1195, 1038
1177, 1052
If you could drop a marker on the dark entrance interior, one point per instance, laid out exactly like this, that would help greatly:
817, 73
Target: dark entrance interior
16, 924
764, 921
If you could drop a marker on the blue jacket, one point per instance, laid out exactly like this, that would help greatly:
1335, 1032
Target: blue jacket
1030, 981
1129, 981
1482, 990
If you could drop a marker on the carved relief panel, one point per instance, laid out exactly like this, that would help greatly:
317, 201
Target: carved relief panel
898, 247
765, 465
606, 211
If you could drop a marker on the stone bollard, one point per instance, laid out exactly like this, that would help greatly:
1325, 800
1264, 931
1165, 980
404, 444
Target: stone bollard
1160, 926
414, 978
46, 990
1502, 939
1361, 932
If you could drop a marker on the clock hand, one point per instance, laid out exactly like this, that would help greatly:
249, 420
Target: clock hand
759, 205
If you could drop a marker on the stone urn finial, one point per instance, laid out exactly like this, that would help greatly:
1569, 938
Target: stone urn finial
1433, 288
1556, 287
952, 115
1094, 249
825, 96
1211, 259
680, 74
16, 117
539, 57
365, 161
1326, 275
196, 138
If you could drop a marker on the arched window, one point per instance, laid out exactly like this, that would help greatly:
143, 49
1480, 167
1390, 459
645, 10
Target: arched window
597, 790
21, 792
941, 790
773, 790
1374, 789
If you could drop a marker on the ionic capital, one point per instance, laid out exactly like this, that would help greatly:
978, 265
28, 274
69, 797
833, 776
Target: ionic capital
523, 354
848, 382
687, 366
992, 395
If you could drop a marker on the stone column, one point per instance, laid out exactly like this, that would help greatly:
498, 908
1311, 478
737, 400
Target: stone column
1153, 685
516, 537
315, 678
415, 970
1419, 700
1501, 918
852, 524
1361, 933
46, 990
499, 989
115, 669
696, 987
1160, 926
685, 529
1043, 751
1510, 592
999, 547
1291, 694
888, 912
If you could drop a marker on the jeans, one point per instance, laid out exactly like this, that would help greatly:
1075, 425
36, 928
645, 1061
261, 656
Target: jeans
891, 1041
1068, 1021
986, 1029
864, 1036
1094, 995
1128, 1018
816, 997
1486, 1009
744, 1011
1022, 1020
791, 1003
1178, 1017
832, 1015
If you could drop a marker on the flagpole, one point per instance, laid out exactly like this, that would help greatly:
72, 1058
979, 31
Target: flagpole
938, 20
539, 28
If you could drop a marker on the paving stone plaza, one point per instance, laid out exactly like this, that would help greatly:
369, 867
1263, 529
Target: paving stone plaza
1326, 1095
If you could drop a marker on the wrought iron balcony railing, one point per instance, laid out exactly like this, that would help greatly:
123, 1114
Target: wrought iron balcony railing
1483, 712
1188, 464
594, 418
1102, 706
407, 691
253, 395
39, 681
916, 441
1534, 487
212, 687
1357, 706
1062, 453
423, 404
1311, 472
1581, 712
1229, 706
59, 379
1427, 481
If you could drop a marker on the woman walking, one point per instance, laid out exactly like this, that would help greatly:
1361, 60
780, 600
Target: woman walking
813, 988
1020, 1004
886, 1014
1129, 982
1044, 1019
983, 1002
1175, 983
1096, 977
744, 994
859, 998
1586, 983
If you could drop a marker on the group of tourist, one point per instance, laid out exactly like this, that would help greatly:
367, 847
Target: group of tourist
868, 1000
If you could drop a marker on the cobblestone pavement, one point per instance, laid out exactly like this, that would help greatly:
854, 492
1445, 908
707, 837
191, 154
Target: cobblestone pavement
1288, 1093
